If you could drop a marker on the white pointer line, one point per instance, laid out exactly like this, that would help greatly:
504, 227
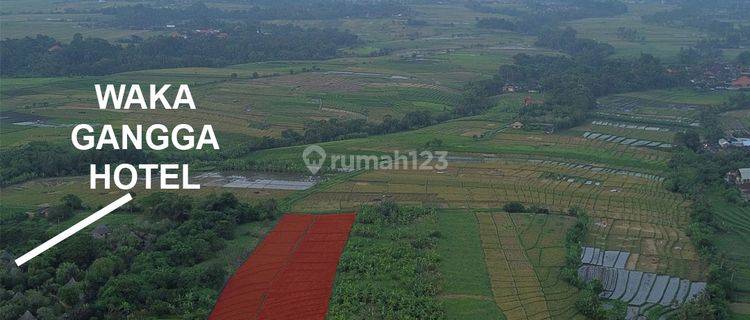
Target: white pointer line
73, 229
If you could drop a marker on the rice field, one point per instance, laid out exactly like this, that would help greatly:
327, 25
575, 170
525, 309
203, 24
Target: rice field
606, 192
644, 292
524, 253
624, 108
631, 211
620, 132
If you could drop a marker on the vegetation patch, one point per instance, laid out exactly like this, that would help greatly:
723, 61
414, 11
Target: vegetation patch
390, 266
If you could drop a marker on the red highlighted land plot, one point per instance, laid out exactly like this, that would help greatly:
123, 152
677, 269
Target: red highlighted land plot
290, 274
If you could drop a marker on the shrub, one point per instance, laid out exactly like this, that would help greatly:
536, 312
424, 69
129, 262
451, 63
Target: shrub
514, 207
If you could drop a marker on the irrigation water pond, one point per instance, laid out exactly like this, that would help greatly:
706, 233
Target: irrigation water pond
25, 119
257, 180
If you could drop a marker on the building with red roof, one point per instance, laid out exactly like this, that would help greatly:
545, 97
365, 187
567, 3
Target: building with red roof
742, 82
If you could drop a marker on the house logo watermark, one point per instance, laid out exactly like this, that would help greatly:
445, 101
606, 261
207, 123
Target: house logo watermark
316, 158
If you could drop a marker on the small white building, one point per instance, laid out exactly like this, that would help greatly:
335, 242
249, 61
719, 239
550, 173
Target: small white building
740, 142
744, 176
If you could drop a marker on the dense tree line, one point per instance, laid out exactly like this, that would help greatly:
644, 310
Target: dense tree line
566, 40
43, 159
45, 56
574, 238
198, 15
496, 23
161, 268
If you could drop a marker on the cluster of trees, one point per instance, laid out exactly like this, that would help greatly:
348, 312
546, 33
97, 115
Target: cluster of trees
704, 52
711, 129
43, 159
158, 268
517, 207
398, 244
566, 40
573, 246
496, 23
45, 56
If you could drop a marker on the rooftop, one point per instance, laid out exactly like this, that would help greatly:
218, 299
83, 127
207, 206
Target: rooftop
744, 173
743, 81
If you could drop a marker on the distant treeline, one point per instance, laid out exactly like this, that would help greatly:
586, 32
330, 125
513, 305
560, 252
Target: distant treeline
541, 16
239, 43
198, 15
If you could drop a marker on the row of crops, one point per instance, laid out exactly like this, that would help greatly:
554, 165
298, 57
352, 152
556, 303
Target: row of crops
625, 140
523, 254
632, 109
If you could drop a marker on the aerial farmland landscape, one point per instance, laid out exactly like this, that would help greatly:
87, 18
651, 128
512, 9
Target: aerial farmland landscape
374, 159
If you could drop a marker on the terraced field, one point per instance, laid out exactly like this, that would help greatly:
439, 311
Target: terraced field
492, 182
631, 211
632, 134
736, 244
644, 110
646, 293
524, 254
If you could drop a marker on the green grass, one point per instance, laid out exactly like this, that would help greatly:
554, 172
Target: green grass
467, 293
462, 260
737, 316
63, 27
682, 95
460, 309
